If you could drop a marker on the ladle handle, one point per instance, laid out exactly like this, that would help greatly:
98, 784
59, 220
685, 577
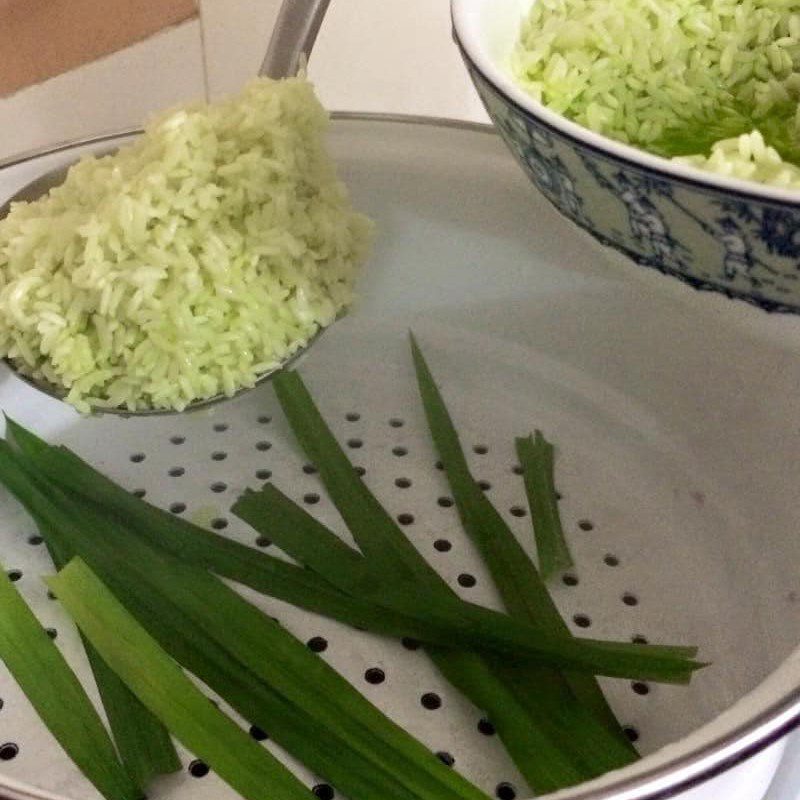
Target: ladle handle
293, 37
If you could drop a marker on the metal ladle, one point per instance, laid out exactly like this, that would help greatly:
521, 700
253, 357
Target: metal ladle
290, 45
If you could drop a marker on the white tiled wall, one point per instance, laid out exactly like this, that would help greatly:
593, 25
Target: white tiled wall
115, 92
372, 55
392, 55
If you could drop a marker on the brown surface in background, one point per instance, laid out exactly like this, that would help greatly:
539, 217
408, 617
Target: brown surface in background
43, 38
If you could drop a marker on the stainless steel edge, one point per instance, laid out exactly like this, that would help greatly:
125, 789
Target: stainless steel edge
415, 119
70, 144
355, 116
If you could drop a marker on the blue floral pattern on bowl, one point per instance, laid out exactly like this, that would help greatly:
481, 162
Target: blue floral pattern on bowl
713, 239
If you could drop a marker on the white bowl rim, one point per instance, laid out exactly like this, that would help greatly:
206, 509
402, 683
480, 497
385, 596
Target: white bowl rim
468, 37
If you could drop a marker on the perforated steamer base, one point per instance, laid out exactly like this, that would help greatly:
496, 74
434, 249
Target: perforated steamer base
675, 417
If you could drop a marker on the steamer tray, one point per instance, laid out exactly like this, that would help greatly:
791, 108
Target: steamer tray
677, 421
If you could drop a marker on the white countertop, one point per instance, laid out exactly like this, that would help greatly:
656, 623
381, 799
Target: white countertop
391, 56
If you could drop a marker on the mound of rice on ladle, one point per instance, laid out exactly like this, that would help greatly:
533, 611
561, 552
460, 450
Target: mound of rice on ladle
187, 264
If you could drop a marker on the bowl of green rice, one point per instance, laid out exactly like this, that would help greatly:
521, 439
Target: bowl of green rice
667, 129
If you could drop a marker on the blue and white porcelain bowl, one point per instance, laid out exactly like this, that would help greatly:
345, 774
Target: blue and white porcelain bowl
715, 233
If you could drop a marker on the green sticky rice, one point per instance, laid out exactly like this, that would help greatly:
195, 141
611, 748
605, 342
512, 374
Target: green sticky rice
187, 263
748, 157
674, 77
